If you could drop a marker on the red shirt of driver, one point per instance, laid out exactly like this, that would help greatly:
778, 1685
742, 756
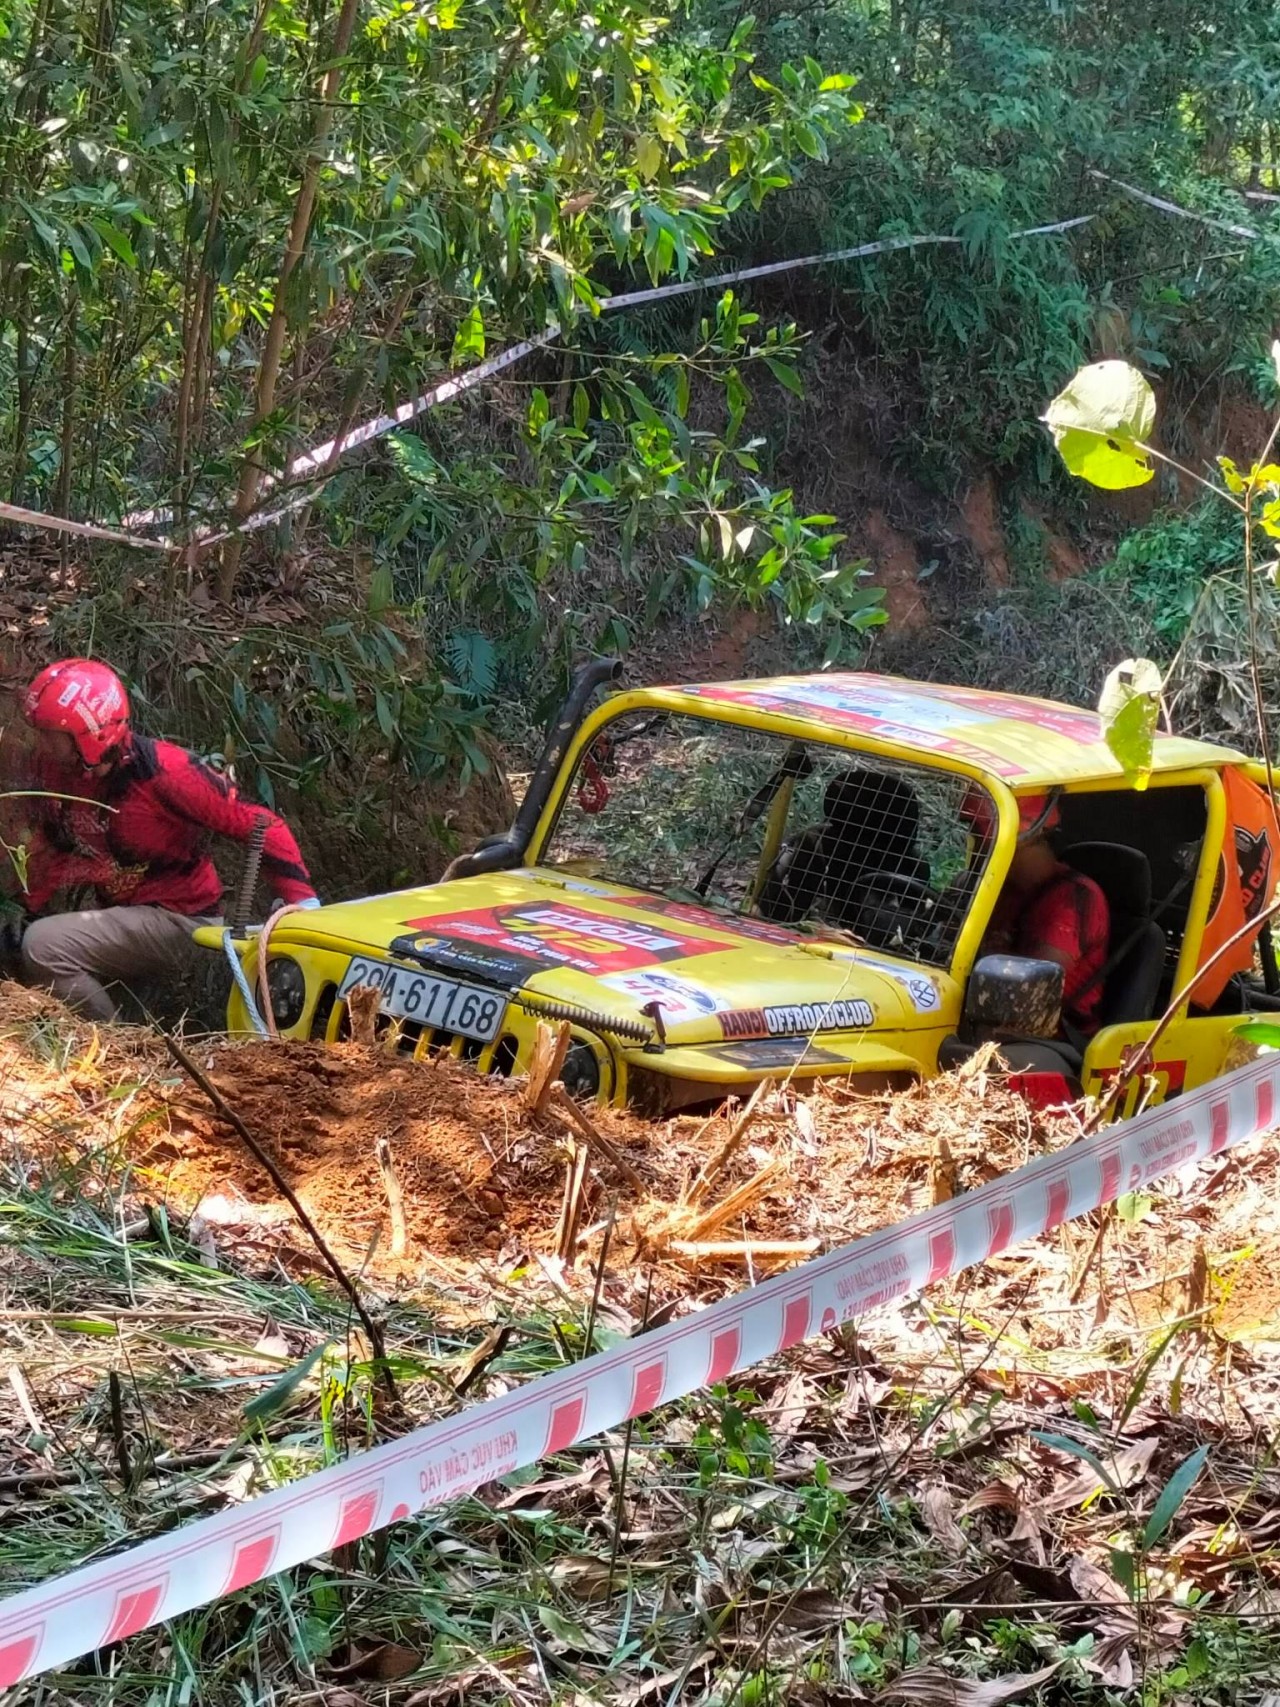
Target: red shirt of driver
1068, 915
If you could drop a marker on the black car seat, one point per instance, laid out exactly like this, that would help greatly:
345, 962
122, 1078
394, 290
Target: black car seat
870, 825
1134, 966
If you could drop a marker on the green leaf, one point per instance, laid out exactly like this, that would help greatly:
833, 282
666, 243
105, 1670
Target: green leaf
281, 1392
77, 246
1232, 478
1130, 708
1101, 422
473, 662
1124, 1570
838, 80
413, 458
785, 374
381, 590
1261, 1031
468, 343
382, 711
649, 158
1060, 1443
682, 391
116, 241
1172, 1495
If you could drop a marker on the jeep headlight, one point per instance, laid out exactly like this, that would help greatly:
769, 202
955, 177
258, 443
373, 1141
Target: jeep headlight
580, 1074
288, 986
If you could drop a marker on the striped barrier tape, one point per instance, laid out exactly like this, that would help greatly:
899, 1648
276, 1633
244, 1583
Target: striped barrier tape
316, 465
102, 1603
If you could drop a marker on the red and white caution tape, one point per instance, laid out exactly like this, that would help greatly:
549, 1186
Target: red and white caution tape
317, 464
102, 1603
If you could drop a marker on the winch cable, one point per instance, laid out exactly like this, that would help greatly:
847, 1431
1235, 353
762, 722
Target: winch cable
264, 938
242, 984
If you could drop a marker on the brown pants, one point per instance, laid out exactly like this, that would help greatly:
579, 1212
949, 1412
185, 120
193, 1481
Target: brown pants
77, 955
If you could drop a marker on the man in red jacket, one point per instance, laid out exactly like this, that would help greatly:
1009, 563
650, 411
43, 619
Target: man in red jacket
135, 831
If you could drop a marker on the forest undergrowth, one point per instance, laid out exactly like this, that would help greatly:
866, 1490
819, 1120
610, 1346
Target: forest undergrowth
1049, 1480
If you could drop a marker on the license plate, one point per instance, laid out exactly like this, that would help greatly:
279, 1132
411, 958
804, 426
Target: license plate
439, 1004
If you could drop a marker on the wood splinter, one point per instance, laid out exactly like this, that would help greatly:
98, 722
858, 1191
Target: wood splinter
547, 1064
708, 1250
395, 1197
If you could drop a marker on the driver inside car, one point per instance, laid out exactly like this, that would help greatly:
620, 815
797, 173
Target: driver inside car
870, 831
1047, 910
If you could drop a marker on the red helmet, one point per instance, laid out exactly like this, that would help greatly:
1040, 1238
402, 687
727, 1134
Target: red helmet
85, 700
1037, 813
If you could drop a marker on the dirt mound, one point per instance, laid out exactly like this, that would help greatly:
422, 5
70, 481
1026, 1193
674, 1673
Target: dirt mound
356, 1132
348, 1125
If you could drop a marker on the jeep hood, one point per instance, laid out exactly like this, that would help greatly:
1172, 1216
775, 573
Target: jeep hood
615, 950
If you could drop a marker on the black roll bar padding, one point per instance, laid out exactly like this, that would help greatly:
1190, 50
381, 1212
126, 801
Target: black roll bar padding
500, 853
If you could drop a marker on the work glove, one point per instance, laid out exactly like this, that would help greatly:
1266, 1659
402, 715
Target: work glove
306, 906
12, 929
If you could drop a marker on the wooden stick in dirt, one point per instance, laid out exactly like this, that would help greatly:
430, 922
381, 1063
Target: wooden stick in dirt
571, 1209
549, 1051
291, 1197
560, 1100
740, 1198
710, 1249
716, 1164
395, 1197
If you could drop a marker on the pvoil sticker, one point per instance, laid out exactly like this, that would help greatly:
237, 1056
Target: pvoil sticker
679, 998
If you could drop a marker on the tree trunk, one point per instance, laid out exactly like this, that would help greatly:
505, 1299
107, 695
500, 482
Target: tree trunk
273, 344
22, 420
62, 497
190, 410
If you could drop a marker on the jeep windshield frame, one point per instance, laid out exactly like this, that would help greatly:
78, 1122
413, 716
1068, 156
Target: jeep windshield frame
674, 798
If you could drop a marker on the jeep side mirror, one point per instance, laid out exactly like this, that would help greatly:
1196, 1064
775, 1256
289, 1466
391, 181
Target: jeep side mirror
1009, 996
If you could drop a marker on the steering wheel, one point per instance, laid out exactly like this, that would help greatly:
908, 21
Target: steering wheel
902, 887
894, 906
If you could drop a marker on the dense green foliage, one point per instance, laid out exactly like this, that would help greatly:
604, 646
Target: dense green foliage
229, 231
985, 119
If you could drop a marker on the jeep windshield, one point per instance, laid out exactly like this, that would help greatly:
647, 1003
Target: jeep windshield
756, 824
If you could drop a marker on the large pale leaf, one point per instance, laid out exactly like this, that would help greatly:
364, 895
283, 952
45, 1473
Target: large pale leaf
1130, 709
1100, 423
930, 1686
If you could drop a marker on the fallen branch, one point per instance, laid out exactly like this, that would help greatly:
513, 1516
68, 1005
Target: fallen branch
563, 1104
717, 1163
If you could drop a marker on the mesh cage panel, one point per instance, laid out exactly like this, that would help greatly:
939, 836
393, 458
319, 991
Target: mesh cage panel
886, 853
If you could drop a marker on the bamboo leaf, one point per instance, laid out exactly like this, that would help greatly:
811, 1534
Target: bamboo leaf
1172, 1495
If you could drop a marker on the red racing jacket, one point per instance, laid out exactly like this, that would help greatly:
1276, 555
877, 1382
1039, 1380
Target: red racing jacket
139, 836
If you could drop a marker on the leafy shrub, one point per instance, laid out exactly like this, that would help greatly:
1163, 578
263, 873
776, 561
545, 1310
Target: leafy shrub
1166, 563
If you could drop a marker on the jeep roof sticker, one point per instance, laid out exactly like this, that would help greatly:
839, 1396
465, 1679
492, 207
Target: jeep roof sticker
1012, 736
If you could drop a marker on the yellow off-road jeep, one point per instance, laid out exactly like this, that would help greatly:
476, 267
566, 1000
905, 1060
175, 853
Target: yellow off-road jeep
788, 878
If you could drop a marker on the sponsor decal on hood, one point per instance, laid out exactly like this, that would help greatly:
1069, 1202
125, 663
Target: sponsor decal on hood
798, 1019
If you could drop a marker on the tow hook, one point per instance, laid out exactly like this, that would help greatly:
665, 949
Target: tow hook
658, 1043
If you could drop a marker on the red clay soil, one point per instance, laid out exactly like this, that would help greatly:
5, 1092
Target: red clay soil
482, 1178
475, 1172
